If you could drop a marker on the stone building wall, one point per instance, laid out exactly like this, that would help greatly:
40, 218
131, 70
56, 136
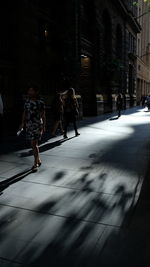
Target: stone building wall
108, 55
82, 43
143, 53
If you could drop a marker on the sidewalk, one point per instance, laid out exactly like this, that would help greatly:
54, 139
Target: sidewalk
79, 209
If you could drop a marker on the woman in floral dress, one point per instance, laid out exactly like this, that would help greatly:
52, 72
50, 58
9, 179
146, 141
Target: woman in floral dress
33, 121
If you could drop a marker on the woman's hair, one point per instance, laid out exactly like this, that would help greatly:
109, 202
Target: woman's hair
35, 88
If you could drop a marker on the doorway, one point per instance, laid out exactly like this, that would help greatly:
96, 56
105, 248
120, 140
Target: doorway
87, 87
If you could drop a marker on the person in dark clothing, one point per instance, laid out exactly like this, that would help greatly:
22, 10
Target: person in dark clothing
57, 109
71, 111
148, 102
143, 99
124, 101
119, 105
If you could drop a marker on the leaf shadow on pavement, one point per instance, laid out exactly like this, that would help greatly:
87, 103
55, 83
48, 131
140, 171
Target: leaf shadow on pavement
61, 251
76, 242
129, 246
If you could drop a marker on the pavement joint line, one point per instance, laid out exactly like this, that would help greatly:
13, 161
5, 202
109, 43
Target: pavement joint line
6, 161
12, 261
64, 157
8, 170
2, 160
63, 216
67, 187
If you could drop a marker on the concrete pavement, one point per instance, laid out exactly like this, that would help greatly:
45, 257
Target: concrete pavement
78, 209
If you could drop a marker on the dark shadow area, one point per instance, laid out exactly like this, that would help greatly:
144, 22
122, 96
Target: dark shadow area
52, 145
91, 156
13, 145
59, 176
131, 244
74, 243
114, 118
47, 146
14, 179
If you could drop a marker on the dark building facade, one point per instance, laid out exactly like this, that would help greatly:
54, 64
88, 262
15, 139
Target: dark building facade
28, 53
88, 44
106, 33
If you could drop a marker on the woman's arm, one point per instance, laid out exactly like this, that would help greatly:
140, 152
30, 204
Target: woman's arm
76, 103
43, 116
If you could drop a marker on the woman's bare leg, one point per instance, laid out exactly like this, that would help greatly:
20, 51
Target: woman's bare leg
75, 128
36, 154
56, 124
66, 128
61, 127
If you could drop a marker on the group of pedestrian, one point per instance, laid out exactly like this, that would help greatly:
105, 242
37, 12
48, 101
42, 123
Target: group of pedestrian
65, 109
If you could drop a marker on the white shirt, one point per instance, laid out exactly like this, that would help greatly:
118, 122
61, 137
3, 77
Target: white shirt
1, 105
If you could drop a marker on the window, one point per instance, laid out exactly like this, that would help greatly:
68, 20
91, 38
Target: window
119, 42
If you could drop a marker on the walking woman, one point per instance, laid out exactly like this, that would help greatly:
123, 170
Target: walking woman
71, 111
57, 109
34, 121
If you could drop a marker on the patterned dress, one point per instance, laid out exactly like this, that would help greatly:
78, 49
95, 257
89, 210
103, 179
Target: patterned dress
34, 124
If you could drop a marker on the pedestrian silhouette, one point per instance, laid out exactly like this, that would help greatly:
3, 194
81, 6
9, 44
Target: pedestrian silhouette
57, 110
119, 104
33, 120
71, 111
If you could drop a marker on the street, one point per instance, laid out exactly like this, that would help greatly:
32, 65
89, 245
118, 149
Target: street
78, 209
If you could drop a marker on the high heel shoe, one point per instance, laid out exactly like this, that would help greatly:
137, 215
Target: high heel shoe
39, 164
34, 168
